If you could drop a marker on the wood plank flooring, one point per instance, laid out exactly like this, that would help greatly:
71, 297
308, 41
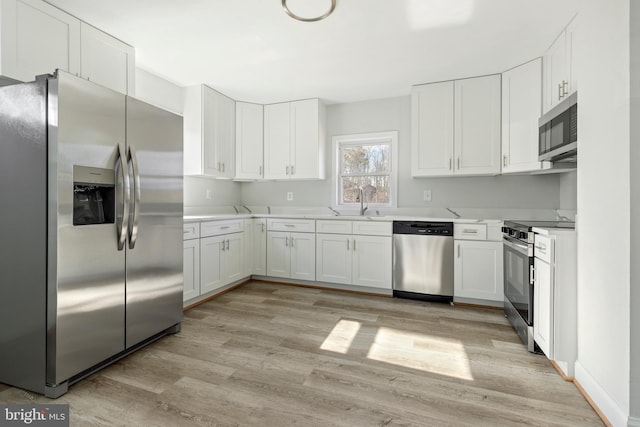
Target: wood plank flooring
277, 355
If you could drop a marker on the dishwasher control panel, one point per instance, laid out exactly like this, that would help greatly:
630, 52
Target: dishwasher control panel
427, 228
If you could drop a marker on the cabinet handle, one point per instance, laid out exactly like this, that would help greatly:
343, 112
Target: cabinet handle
286, 241
560, 91
469, 231
287, 170
227, 244
260, 171
458, 250
542, 248
293, 170
450, 163
222, 245
458, 162
289, 225
292, 242
222, 166
262, 227
354, 245
347, 244
224, 227
504, 160
565, 87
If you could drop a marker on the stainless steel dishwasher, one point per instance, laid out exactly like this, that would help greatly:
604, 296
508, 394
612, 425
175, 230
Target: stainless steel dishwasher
423, 260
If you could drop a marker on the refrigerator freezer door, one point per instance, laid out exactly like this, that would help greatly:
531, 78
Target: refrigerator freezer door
86, 273
154, 250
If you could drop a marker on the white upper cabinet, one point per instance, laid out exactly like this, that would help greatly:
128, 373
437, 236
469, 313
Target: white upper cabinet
106, 60
209, 132
37, 38
249, 140
559, 72
294, 138
432, 129
456, 127
521, 109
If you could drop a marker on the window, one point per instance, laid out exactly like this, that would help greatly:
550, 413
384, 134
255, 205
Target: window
367, 162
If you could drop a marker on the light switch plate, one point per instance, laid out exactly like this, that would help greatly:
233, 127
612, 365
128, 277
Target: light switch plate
289, 196
426, 196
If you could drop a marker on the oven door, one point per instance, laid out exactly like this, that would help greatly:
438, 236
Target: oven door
518, 287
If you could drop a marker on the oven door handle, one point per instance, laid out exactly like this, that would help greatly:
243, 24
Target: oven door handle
522, 249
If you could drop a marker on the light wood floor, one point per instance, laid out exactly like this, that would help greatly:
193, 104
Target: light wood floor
276, 355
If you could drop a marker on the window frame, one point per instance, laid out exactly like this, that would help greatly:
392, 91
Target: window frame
338, 141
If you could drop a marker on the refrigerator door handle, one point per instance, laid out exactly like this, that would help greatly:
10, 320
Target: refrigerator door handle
122, 222
133, 224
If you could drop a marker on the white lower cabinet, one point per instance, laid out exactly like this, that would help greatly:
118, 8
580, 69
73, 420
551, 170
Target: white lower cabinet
352, 259
220, 261
258, 250
291, 255
554, 297
478, 266
191, 269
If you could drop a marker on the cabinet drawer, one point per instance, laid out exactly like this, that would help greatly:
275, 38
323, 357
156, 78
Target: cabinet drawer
191, 231
298, 225
215, 228
372, 228
333, 227
470, 231
543, 248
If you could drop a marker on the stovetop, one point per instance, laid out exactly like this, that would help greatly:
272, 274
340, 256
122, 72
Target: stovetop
526, 225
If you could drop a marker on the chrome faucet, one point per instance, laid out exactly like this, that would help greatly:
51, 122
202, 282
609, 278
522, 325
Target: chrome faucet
363, 209
247, 209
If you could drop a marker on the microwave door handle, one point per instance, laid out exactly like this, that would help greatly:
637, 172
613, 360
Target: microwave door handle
123, 220
134, 223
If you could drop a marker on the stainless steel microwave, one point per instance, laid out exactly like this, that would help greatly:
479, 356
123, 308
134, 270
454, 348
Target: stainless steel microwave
558, 132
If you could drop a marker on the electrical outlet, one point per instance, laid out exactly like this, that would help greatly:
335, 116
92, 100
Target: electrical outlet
289, 196
426, 196
208, 194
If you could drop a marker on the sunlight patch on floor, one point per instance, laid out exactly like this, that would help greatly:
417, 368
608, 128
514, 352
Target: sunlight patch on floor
438, 355
341, 337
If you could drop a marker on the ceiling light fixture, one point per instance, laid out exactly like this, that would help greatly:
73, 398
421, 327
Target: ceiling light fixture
317, 18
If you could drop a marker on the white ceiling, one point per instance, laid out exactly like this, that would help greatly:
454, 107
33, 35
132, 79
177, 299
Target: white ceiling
252, 51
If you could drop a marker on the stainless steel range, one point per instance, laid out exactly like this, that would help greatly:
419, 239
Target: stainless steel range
518, 237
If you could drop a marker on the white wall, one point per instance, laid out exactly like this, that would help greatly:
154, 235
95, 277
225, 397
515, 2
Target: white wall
516, 192
223, 193
158, 91
602, 63
569, 191
634, 392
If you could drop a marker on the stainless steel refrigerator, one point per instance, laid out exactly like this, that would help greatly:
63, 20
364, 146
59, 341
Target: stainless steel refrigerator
91, 264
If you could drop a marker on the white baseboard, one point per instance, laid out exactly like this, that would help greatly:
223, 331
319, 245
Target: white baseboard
600, 397
633, 422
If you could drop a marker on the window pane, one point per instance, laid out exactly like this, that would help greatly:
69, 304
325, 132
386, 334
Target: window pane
376, 189
363, 159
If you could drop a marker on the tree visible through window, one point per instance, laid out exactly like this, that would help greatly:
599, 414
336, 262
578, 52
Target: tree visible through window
364, 163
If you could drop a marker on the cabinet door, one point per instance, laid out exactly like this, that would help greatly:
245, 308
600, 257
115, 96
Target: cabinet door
277, 141
477, 126
432, 129
259, 247
333, 258
37, 38
303, 256
543, 307
218, 130
571, 63
478, 271
191, 269
106, 60
306, 144
521, 109
372, 261
232, 255
210, 268
249, 140
278, 254
557, 73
